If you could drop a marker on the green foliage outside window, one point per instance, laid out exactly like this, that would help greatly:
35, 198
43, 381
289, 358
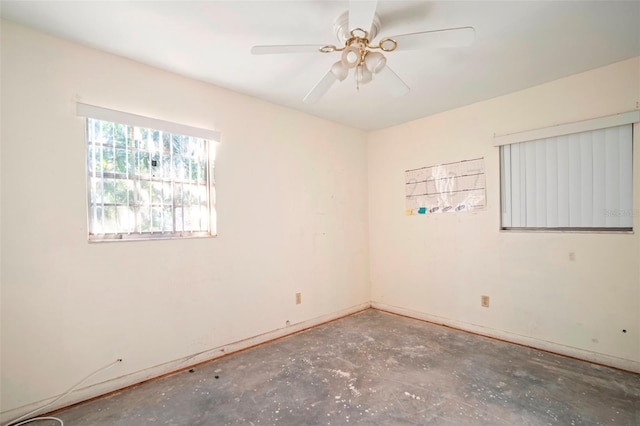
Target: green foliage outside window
146, 181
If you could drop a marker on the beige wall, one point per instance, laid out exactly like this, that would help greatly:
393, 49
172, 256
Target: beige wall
437, 267
292, 217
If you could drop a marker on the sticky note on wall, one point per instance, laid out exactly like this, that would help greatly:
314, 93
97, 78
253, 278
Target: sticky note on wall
408, 212
422, 210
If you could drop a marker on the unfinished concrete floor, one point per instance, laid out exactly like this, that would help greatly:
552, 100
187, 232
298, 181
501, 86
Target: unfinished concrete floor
376, 368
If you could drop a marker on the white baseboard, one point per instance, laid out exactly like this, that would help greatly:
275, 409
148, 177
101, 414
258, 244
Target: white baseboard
93, 391
598, 358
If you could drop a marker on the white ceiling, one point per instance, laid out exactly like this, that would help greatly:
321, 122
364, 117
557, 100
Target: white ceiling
518, 44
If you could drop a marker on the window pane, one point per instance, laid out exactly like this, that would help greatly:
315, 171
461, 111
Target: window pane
96, 219
108, 160
110, 220
156, 193
121, 161
139, 135
144, 219
155, 144
156, 219
122, 191
168, 220
95, 159
175, 144
121, 132
143, 189
126, 219
142, 164
197, 217
178, 219
203, 196
178, 191
109, 191
178, 166
201, 172
166, 143
143, 181
167, 194
166, 167
93, 131
106, 133
186, 169
189, 223
95, 190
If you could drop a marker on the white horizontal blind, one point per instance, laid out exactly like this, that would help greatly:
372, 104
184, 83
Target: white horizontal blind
581, 180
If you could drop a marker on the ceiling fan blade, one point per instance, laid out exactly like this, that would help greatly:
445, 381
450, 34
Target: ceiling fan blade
286, 48
452, 37
391, 82
361, 13
320, 88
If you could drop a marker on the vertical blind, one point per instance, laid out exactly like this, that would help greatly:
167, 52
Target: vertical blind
580, 180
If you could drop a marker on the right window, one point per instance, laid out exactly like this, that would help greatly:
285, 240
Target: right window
580, 181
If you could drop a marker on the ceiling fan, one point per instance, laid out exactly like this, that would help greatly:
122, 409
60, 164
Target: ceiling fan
356, 29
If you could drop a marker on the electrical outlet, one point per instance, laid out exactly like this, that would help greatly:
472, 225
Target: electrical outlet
484, 301
572, 256
298, 298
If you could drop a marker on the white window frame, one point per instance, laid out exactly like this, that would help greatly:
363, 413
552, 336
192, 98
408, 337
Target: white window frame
209, 137
619, 219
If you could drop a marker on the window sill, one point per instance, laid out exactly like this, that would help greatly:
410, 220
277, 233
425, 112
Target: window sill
624, 231
147, 237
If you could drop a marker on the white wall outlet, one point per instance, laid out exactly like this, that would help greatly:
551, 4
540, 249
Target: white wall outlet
298, 298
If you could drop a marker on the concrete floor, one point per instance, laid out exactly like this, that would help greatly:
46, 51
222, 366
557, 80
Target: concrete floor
376, 368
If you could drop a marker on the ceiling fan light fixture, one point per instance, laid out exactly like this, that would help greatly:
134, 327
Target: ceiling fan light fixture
351, 56
363, 75
340, 70
375, 61
355, 29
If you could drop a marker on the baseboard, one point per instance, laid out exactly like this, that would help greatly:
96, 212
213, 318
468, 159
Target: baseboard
594, 357
117, 384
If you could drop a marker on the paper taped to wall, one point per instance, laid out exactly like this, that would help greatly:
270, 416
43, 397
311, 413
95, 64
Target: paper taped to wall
451, 187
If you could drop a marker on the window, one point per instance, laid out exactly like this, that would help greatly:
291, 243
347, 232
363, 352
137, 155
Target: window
577, 181
147, 183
